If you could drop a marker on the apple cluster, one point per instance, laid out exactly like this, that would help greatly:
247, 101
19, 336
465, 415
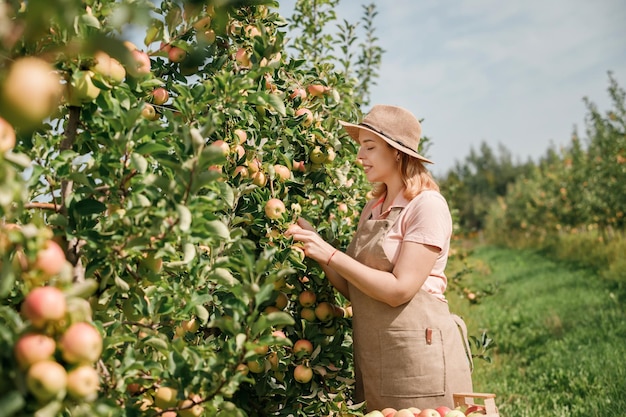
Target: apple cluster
472, 410
57, 350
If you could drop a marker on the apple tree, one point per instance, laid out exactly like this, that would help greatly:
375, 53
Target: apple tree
152, 154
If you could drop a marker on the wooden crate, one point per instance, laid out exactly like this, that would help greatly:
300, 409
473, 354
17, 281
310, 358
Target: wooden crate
488, 401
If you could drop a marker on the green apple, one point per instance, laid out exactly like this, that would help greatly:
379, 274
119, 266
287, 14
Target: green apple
46, 379
30, 92
318, 156
81, 89
165, 397
274, 208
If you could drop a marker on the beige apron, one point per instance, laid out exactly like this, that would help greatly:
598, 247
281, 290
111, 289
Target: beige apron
414, 355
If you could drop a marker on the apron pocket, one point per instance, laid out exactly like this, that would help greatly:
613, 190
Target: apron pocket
412, 363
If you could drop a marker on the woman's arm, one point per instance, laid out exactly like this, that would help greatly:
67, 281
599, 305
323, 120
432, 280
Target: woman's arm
335, 279
395, 288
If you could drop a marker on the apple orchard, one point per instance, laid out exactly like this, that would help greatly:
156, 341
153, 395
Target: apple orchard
152, 156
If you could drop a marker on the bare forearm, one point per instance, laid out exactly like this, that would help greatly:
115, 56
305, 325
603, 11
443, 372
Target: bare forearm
380, 285
336, 280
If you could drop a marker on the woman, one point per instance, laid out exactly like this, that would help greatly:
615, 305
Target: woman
409, 351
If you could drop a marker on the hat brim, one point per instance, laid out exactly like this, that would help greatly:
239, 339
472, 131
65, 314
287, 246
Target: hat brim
353, 130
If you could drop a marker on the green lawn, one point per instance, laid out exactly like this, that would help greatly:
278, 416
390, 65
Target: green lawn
560, 335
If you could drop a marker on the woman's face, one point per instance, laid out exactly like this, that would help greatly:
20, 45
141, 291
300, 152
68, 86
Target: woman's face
378, 158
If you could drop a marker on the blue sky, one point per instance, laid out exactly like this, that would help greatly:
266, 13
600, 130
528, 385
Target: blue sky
503, 72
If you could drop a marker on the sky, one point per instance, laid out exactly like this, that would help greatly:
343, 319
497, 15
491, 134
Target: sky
511, 73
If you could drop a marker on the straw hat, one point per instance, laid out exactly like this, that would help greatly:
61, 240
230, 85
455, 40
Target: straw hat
395, 125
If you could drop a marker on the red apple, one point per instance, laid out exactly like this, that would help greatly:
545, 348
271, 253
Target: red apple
242, 170
279, 334
51, 259
259, 179
443, 410
324, 311
282, 172
455, 413
307, 298
190, 407
44, 305
241, 134
298, 92
308, 119
81, 344
46, 379
31, 91
274, 208
243, 58
141, 63
223, 146
389, 411
475, 410
299, 166
429, 412
176, 54
303, 347
33, 347
317, 90
160, 95
303, 374
404, 412
83, 383
7, 136
109, 68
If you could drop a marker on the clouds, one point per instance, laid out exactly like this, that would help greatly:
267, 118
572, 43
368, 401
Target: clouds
511, 73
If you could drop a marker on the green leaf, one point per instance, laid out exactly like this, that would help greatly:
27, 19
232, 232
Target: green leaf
218, 229
184, 217
83, 289
7, 276
11, 403
202, 313
138, 162
277, 104
150, 148
271, 320
89, 206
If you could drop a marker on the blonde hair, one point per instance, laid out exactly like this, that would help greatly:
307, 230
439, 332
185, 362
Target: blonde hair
415, 177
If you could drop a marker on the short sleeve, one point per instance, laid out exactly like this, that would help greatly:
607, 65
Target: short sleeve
427, 220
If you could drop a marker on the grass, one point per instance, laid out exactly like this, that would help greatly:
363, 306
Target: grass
560, 335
